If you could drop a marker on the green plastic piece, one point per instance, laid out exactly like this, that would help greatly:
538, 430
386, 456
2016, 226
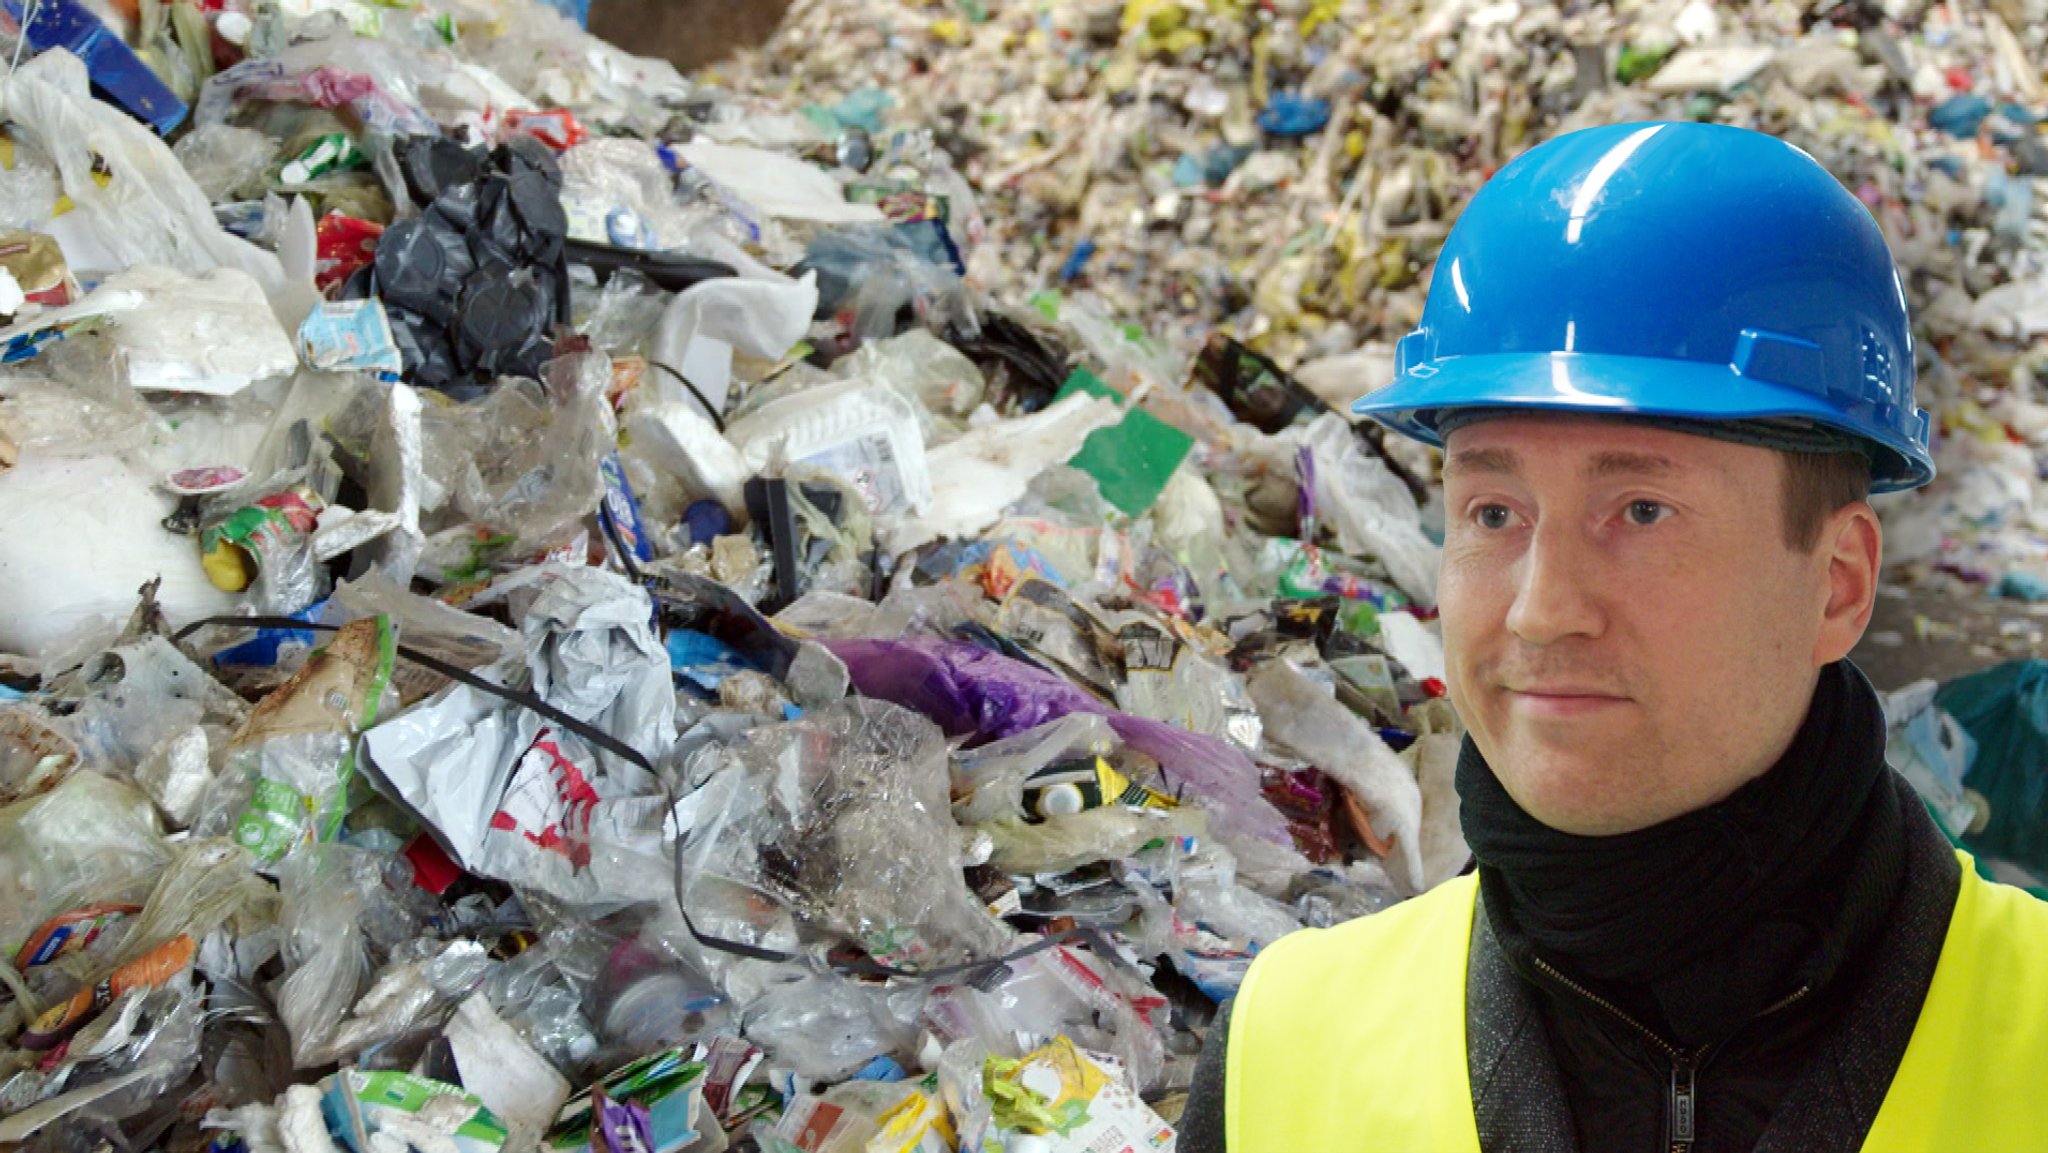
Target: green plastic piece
1133, 459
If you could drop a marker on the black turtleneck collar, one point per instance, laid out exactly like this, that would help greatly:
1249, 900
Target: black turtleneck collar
1702, 922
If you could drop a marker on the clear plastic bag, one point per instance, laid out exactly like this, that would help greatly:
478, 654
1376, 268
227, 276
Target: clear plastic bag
34, 753
28, 189
413, 993
921, 366
621, 317
855, 833
176, 774
988, 782
1100, 1006
208, 884
518, 464
874, 277
541, 994
90, 840
74, 400
466, 640
226, 163
826, 1026
289, 766
156, 1043
617, 191
339, 917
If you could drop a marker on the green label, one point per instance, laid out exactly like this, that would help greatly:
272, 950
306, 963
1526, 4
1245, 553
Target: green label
275, 820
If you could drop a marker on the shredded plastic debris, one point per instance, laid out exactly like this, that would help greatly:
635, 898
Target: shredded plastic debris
547, 604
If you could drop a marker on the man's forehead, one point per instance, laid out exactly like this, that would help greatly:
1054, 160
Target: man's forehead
1596, 446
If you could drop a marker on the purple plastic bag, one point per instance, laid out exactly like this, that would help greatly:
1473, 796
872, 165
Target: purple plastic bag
619, 1126
969, 691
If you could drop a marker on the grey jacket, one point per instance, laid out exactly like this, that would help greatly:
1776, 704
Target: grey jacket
1518, 1096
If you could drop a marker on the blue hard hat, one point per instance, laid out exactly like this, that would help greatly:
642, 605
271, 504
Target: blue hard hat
1690, 272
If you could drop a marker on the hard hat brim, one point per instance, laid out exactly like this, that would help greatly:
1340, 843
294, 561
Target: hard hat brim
1621, 386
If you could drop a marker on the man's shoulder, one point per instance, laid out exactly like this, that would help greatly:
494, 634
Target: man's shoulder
1446, 908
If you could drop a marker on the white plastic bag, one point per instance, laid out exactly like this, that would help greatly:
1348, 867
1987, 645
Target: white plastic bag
760, 315
989, 468
777, 184
150, 210
1305, 718
210, 334
66, 560
1372, 511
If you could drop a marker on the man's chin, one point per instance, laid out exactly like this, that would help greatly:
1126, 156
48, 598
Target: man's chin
1576, 791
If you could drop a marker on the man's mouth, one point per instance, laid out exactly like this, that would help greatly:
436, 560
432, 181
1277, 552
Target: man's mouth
1562, 700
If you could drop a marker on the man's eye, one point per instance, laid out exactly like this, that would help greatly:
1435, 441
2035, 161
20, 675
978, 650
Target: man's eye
1647, 512
1493, 516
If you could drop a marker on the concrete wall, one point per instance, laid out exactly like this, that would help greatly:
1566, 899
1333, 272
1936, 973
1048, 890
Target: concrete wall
689, 33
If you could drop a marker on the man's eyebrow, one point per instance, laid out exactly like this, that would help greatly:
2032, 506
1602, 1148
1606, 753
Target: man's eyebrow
1490, 460
1613, 464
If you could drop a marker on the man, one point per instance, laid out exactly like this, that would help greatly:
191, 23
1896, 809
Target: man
1667, 364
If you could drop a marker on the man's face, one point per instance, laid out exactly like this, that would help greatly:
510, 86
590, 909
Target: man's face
1628, 635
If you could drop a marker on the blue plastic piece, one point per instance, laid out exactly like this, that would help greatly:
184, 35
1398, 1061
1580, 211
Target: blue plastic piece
1290, 115
1078, 261
1960, 116
2021, 585
863, 109
1187, 171
707, 520
1223, 160
881, 1069
702, 661
1681, 270
577, 10
118, 75
2005, 710
266, 647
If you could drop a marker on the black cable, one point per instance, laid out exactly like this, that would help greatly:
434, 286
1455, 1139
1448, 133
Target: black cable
709, 408
612, 536
856, 967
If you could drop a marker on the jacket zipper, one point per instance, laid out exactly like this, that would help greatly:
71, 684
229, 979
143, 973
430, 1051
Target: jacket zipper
1681, 1111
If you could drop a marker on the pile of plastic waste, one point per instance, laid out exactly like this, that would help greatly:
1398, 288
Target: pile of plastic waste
540, 608
1286, 172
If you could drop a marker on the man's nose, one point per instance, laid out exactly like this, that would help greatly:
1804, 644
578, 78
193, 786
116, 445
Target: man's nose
1557, 587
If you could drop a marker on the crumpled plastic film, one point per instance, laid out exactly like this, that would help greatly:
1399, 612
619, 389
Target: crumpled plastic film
877, 601
857, 829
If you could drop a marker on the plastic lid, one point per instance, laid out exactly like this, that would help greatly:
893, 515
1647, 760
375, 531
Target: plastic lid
421, 267
432, 166
1060, 800
855, 149
497, 318
538, 203
234, 27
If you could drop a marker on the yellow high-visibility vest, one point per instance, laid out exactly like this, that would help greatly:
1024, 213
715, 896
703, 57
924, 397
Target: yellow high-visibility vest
1352, 1039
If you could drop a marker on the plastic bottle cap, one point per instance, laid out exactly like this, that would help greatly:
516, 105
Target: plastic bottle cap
1060, 800
234, 27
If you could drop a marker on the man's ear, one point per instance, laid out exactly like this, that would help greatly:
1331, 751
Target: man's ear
1852, 546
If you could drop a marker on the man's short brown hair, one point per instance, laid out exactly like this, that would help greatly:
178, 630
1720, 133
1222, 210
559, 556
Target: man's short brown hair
1817, 484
